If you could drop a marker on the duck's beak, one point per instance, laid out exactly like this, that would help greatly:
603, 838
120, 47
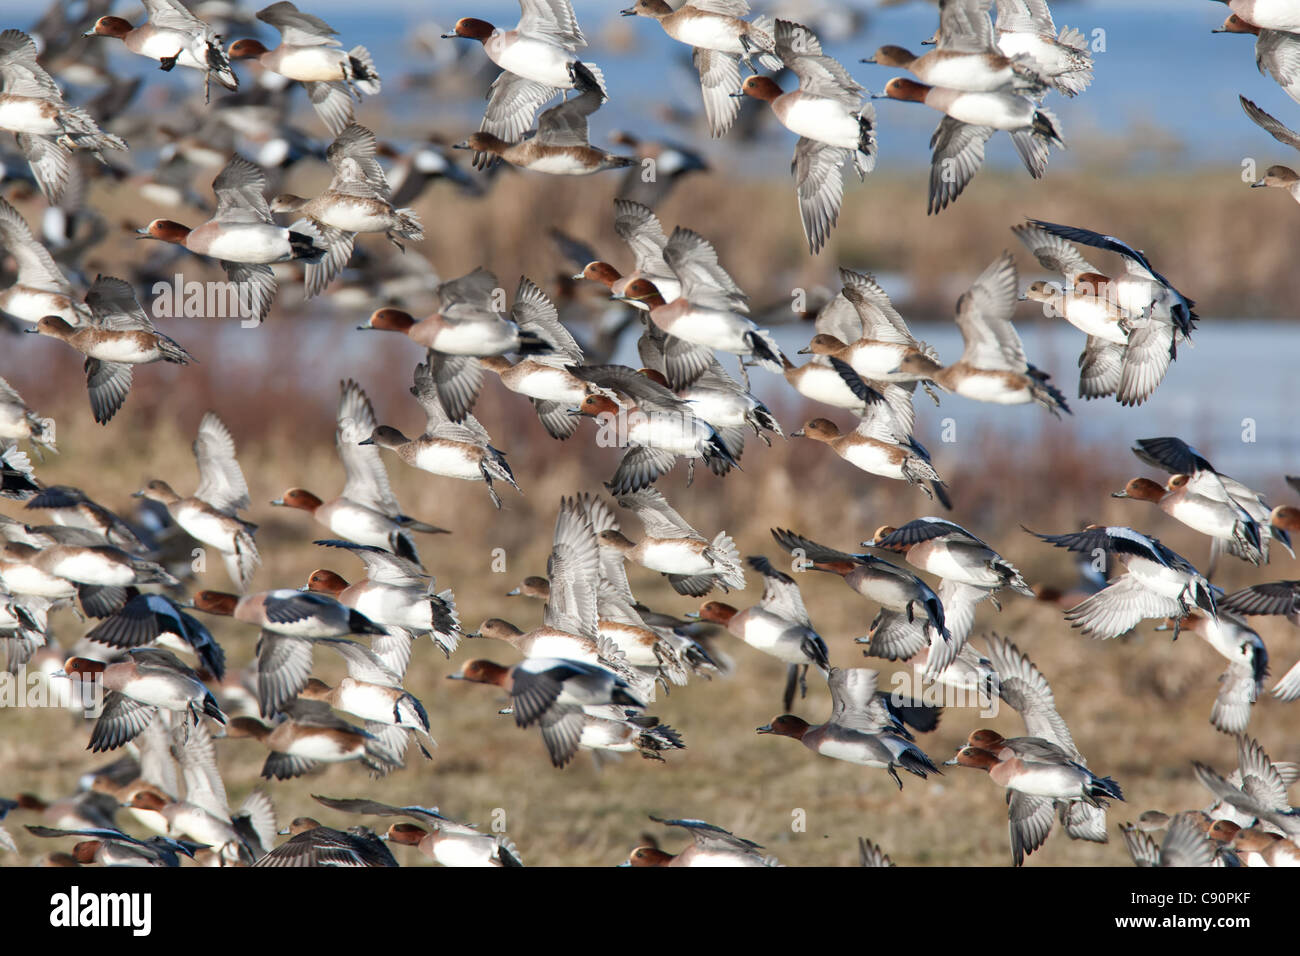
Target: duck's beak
765, 729
798, 434
461, 145
806, 350
1258, 184
455, 677
1119, 494
277, 502
629, 12
578, 277
950, 763
366, 441
515, 593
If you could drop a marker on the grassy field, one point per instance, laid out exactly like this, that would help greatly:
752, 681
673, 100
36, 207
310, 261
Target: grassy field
1138, 706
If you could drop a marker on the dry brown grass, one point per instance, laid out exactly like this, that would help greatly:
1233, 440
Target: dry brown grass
1138, 707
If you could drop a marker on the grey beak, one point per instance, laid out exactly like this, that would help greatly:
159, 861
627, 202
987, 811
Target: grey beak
366, 441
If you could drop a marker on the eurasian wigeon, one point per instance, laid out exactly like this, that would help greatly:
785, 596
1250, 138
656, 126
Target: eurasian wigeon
1256, 791
970, 119
312, 844
309, 54
720, 40
469, 319
900, 594
395, 592
1126, 354
992, 367
1247, 657
552, 692
729, 407
447, 448
18, 421
778, 625
1176, 457
1202, 503
148, 679
1159, 583
74, 508
880, 444
111, 847
1275, 52
374, 693
971, 571
1037, 780
173, 36
310, 734
1185, 844
561, 146
861, 728
46, 127
1020, 683
693, 564
832, 120
147, 619
658, 426
366, 511
204, 814
40, 288
242, 236
355, 201
704, 314
861, 326
1025, 27
532, 328
973, 70
1141, 290
118, 335
570, 625
538, 59
1268, 14
712, 846
210, 515
443, 840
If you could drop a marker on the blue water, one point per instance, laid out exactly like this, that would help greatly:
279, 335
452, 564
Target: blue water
1161, 67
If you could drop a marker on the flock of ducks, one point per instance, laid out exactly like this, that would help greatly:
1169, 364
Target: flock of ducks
588, 676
